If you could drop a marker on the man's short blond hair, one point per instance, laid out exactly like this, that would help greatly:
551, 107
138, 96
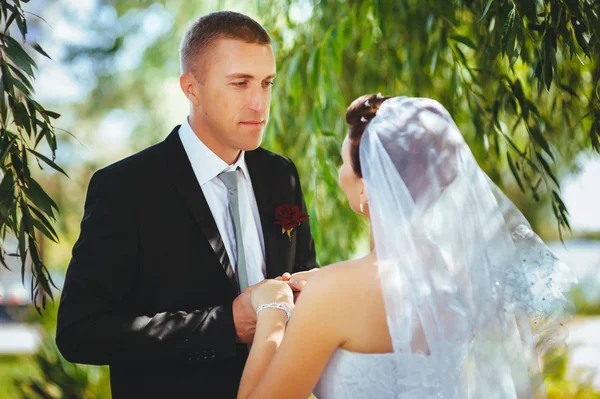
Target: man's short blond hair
206, 30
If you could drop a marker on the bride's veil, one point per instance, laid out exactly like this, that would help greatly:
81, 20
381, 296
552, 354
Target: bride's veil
466, 282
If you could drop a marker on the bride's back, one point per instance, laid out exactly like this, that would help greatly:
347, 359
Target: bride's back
364, 366
366, 327
357, 285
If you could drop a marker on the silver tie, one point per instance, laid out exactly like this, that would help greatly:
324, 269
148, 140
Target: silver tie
230, 179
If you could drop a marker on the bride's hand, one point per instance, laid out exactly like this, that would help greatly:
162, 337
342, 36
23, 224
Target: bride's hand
272, 291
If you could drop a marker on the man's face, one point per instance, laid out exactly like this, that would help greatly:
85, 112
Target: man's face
234, 93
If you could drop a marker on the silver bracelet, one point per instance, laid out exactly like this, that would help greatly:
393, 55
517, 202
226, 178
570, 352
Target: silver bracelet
275, 305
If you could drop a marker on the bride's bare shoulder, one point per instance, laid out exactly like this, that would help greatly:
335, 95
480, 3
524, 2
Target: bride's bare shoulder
337, 296
346, 278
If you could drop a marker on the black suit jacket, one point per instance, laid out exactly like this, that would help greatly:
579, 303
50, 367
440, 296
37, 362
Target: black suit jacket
150, 287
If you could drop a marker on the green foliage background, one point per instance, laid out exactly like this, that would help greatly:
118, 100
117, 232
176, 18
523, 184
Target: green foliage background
521, 79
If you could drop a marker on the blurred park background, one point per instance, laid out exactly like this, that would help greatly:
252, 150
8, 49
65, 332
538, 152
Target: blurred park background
520, 77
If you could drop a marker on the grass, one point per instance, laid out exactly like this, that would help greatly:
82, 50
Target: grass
12, 366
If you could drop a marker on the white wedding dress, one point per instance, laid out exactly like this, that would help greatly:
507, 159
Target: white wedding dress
375, 376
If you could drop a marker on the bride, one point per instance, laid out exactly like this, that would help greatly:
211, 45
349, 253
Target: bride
457, 299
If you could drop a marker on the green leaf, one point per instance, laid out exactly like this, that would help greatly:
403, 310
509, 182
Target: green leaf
312, 69
22, 24
19, 56
507, 29
32, 117
7, 82
39, 198
517, 89
3, 260
48, 161
434, 57
453, 86
43, 225
464, 40
52, 114
514, 171
51, 140
531, 106
17, 164
546, 167
22, 87
3, 105
559, 201
292, 67
40, 50
549, 56
569, 90
22, 247
595, 135
8, 140
43, 131
21, 116
10, 20
579, 30
317, 118
538, 138
511, 47
44, 230
38, 106
7, 196
528, 8
329, 133
7, 186
485, 11
429, 23
22, 77
42, 278
26, 174
537, 72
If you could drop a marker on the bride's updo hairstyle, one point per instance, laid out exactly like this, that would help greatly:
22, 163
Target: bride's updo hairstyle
419, 136
358, 116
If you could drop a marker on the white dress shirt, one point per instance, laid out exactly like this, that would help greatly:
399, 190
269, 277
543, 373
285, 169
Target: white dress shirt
207, 166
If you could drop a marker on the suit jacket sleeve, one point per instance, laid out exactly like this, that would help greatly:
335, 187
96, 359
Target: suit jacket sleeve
97, 322
306, 257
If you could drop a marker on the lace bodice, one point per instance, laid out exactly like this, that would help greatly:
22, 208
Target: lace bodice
352, 375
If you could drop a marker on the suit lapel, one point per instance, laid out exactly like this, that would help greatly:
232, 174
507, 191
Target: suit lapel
264, 200
187, 185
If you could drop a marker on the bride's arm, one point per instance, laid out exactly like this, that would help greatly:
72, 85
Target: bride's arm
290, 367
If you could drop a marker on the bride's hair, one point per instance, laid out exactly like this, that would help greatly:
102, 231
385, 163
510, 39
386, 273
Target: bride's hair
418, 135
358, 116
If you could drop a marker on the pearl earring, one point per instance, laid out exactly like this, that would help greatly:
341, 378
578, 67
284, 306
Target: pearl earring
362, 209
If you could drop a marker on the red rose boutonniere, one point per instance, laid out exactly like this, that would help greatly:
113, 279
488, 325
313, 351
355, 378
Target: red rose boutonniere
289, 217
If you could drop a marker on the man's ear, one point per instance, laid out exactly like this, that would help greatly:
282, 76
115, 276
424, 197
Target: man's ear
189, 85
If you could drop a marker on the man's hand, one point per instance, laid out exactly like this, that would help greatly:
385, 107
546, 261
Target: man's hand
297, 281
244, 316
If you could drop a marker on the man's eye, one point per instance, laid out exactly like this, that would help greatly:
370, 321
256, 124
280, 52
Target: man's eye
269, 83
240, 84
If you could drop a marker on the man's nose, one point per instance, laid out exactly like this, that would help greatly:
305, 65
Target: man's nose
258, 100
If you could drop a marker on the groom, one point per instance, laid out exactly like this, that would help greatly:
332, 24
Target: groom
175, 238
